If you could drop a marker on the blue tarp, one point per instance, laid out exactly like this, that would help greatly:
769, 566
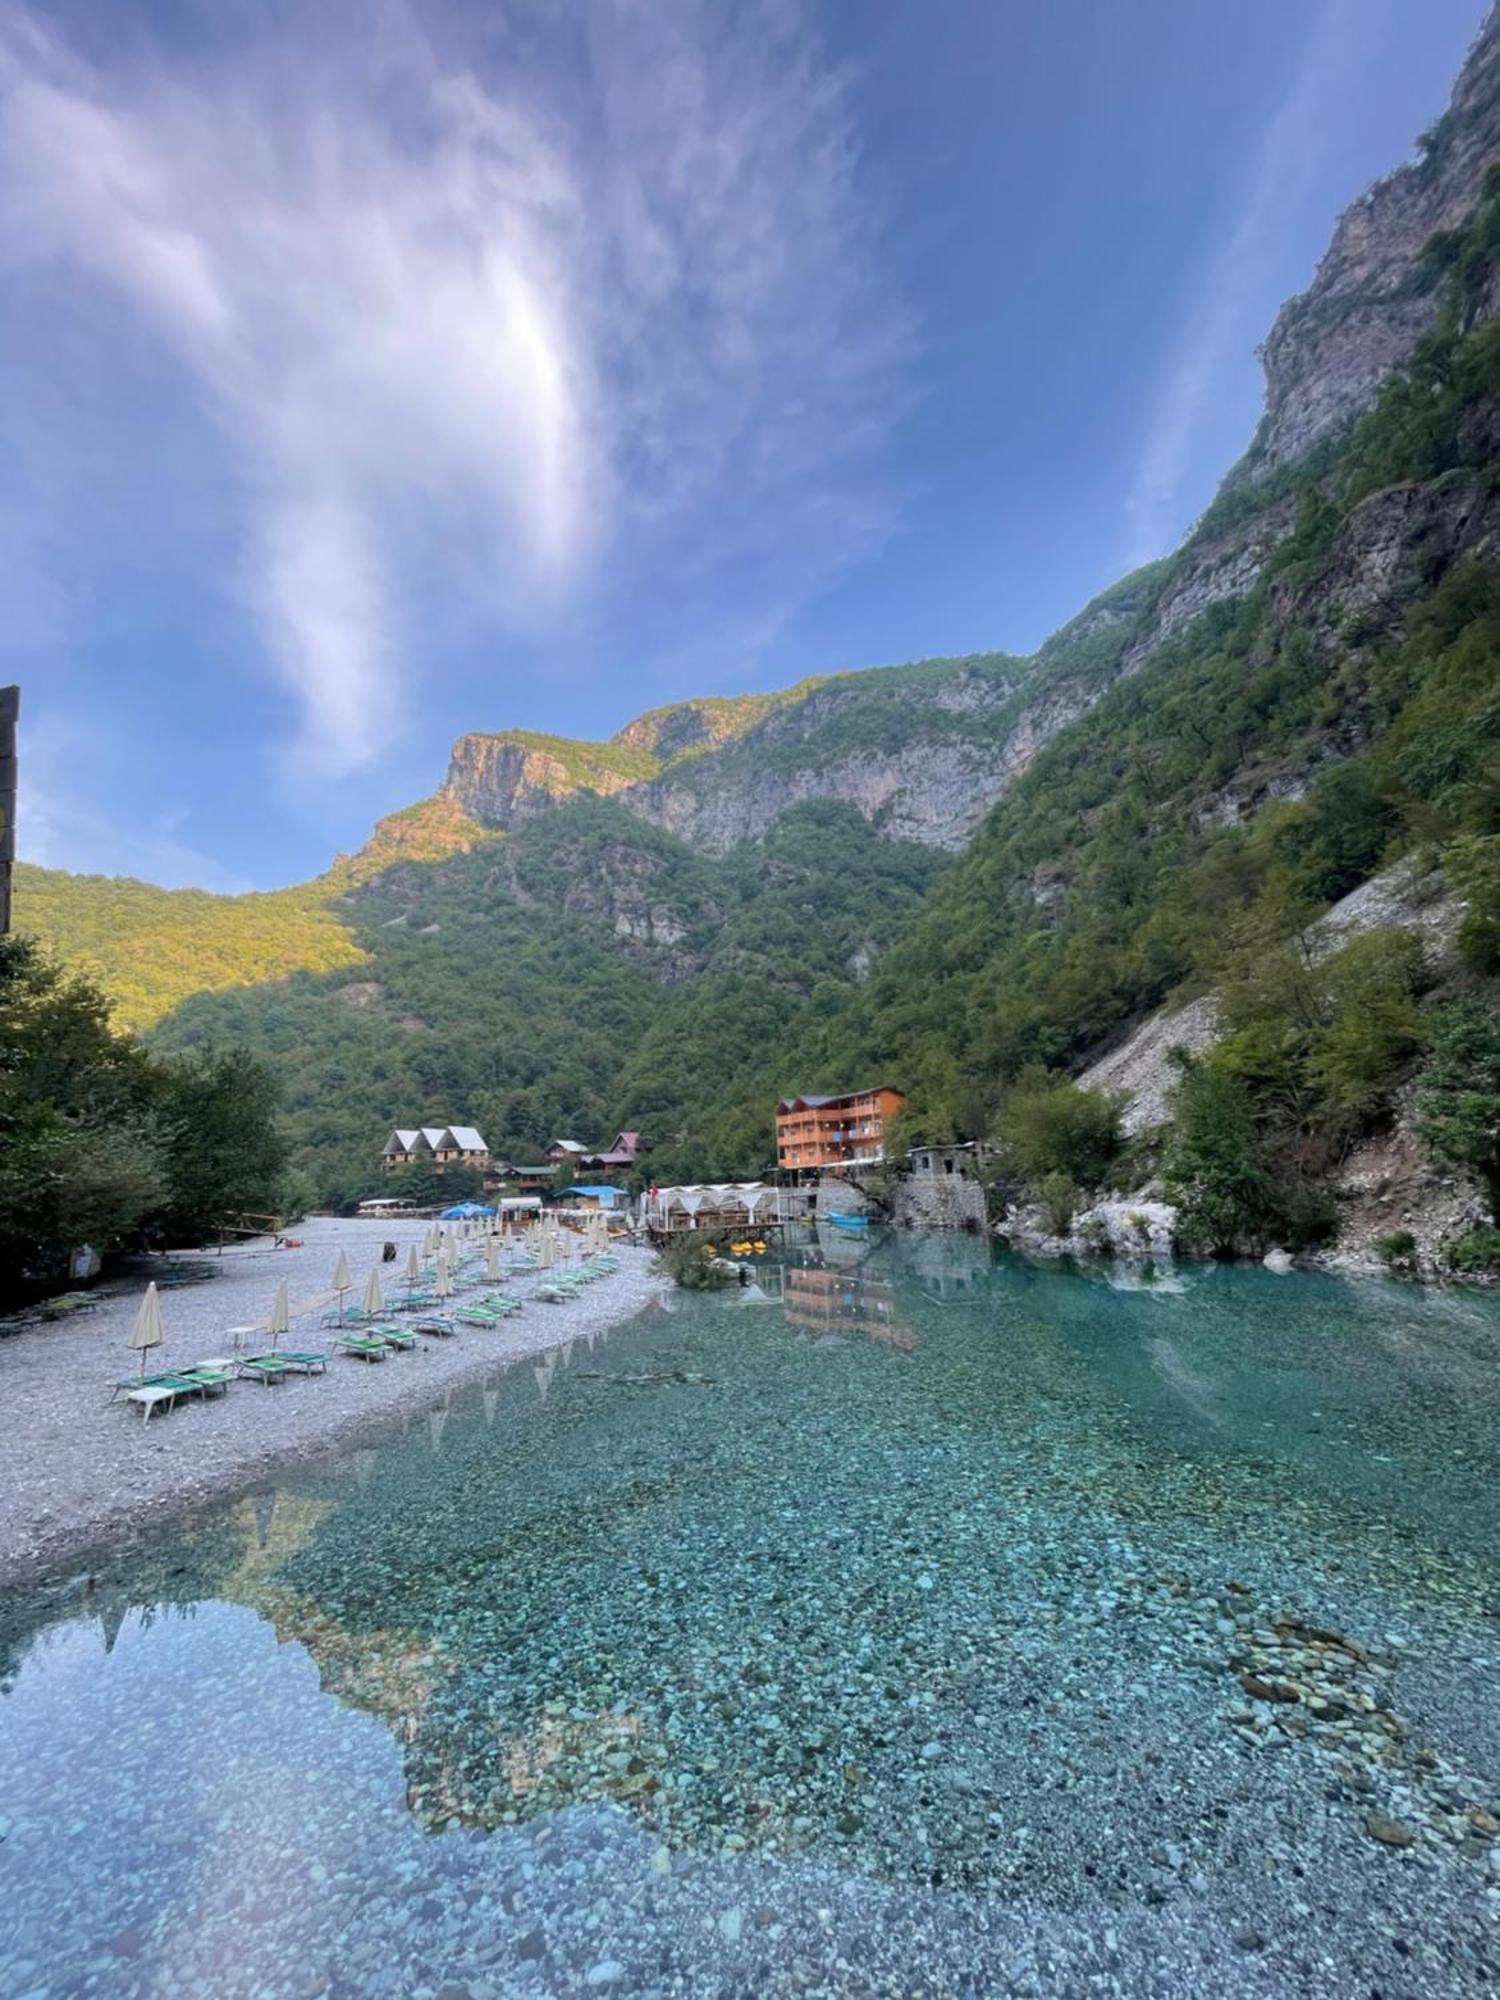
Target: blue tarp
465, 1211
605, 1196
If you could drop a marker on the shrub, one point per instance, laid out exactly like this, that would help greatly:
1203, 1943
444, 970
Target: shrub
1051, 1127
1059, 1198
1476, 1254
692, 1260
1399, 1249
1458, 1093
1216, 1171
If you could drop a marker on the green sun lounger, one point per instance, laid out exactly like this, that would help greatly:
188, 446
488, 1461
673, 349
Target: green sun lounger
394, 1336
267, 1368
443, 1329
364, 1349
290, 1360
169, 1387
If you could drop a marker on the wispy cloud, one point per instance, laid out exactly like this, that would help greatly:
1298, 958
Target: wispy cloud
589, 290
1225, 315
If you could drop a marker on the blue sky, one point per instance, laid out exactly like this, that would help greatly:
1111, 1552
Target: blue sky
378, 372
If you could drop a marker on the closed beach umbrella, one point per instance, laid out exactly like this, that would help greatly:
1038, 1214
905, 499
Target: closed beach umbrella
413, 1267
491, 1258
281, 1317
442, 1284
373, 1303
342, 1278
148, 1331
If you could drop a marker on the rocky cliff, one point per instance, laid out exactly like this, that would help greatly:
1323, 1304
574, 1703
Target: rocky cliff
1377, 290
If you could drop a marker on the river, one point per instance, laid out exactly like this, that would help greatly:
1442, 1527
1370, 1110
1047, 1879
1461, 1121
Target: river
911, 1623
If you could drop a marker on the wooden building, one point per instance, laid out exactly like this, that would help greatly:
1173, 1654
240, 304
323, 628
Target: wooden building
436, 1146
842, 1130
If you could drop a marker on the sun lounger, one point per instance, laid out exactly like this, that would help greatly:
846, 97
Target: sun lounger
201, 1380
443, 1328
290, 1361
152, 1395
267, 1368
364, 1349
394, 1336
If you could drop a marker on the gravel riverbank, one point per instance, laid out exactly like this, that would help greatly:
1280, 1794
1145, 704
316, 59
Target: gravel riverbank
79, 1471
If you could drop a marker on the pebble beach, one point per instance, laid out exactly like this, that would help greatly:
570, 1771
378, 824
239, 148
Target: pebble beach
82, 1471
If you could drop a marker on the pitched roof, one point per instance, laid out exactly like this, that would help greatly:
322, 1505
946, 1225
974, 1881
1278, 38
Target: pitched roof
570, 1145
813, 1101
402, 1139
467, 1139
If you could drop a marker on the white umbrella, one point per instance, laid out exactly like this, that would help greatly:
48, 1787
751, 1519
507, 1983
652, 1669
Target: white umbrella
148, 1331
373, 1303
491, 1258
442, 1284
413, 1267
281, 1318
342, 1278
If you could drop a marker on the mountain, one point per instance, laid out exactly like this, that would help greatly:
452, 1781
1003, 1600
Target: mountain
955, 871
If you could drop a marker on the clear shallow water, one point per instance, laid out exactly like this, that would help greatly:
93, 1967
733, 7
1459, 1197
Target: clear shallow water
886, 1635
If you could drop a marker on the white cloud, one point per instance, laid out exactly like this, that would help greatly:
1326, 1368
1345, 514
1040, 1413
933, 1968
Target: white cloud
597, 291
1226, 314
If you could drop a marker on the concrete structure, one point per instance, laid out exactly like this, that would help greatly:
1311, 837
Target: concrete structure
844, 1129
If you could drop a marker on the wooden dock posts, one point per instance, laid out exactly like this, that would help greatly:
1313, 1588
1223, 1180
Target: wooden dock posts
10, 709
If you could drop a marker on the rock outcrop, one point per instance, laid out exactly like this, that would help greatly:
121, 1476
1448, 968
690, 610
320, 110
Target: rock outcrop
1377, 290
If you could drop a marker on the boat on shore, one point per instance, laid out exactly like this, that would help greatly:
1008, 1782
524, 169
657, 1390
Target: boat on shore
857, 1225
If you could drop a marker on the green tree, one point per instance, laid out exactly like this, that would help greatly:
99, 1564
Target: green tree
1216, 1170
1458, 1092
1049, 1126
79, 1144
224, 1153
427, 1188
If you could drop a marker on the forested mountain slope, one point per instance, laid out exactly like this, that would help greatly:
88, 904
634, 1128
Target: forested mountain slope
518, 980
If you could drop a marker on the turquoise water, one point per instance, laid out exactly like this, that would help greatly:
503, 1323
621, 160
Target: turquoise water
913, 1599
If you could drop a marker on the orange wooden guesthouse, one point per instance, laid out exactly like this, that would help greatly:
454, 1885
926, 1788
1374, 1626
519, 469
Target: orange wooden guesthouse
844, 1130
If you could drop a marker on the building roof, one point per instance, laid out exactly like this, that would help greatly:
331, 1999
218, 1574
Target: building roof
437, 1138
569, 1146
813, 1101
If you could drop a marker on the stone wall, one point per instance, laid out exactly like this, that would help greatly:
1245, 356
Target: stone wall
939, 1201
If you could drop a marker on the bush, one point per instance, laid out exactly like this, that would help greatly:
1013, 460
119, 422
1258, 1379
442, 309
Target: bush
1458, 1093
1474, 1255
1059, 1198
1216, 1171
1399, 1249
1050, 1127
692, 1259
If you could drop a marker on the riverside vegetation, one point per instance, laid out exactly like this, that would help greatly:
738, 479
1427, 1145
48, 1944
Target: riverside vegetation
969, 876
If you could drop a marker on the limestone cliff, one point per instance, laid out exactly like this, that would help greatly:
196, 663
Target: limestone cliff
1377, 290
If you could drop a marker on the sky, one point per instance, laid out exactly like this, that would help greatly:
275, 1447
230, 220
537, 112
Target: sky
380, 371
